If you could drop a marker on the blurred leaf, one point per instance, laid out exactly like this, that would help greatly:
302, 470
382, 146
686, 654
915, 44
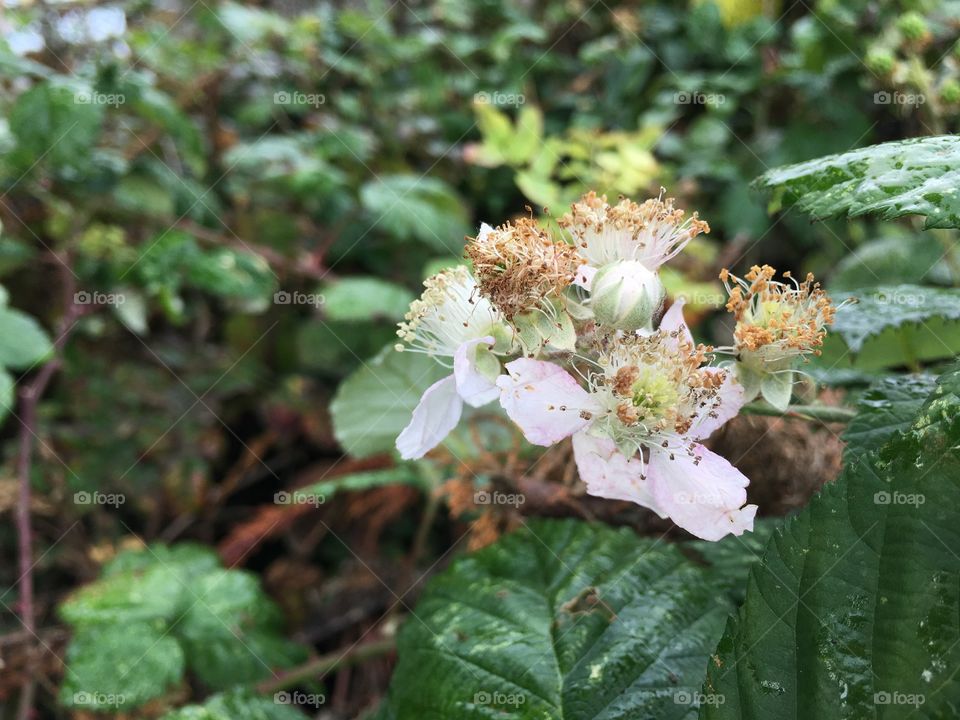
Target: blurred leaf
365, 298
375, 403
894, 325
237, 705
23, 342
919, 176
891, 261
417, 208
116, 667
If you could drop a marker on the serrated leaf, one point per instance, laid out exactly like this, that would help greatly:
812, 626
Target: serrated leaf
919, 176
560, 619
374, 404
353, 299
116, 667
853, 611
22, 341
894, 325
237, 705
889, 406
420, 208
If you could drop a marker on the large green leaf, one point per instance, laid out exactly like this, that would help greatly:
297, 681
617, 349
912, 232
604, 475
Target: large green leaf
889, 406
894, 325
853, 611
373, 405
920, 176
365, 298
560, 619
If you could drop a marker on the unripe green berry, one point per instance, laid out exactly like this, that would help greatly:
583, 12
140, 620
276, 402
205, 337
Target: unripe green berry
625, 295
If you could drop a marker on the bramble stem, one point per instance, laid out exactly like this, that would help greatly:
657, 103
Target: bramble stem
327, 663
823, 413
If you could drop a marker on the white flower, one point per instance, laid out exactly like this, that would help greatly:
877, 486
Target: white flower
650, 233
454, 324
636, 429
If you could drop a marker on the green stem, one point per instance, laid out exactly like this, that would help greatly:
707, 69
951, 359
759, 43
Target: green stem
327, 663
824, 413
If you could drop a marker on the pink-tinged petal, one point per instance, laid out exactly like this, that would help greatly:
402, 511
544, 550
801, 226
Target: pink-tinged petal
702, 493
730, 398
474, 387
584, 276
610, 474
437, 413
673, 321
544, 400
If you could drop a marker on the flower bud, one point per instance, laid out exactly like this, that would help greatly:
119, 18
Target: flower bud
626, 295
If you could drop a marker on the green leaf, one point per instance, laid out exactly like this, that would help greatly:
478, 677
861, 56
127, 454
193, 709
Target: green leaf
894, 325
22, 341
560, 619
117, 667
892, 261
231, 631
365, 298
420, 208
853, 611
887, 407
919, 176
374, 404
238, 705
7, 393
405, 474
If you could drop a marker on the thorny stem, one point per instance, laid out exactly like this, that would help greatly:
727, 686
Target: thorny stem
823, 413
30, 395
328, 663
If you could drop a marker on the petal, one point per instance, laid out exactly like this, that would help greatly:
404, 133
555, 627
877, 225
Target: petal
434, 417
702, 493
730, 398
544, 400
673, 321
474, 387
584, 276
608, 473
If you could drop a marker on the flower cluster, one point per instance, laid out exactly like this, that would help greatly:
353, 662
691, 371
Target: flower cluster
570, 335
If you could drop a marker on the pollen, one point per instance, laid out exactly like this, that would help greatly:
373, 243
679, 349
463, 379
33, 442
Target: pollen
518, 265
650, 232
776, 320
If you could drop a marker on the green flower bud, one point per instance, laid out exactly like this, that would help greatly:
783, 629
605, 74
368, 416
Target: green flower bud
626, 295
913, 26
950, 92
880, 61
